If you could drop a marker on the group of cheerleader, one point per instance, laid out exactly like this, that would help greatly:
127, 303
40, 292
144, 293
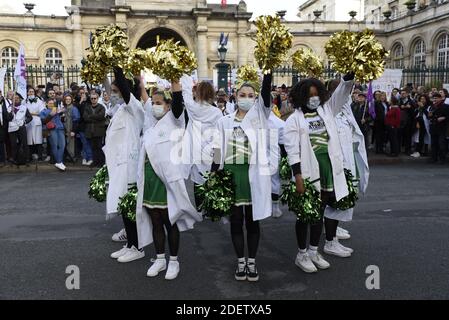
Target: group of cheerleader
166, 140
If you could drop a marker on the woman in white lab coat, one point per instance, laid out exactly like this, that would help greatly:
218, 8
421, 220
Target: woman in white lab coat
121, 151
352, 144
277, 126
242, 147
203, 117
163, 205
314, 152
34, 128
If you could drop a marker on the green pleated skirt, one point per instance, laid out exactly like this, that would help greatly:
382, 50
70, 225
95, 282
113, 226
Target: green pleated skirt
154, 191
326, 178
240, 174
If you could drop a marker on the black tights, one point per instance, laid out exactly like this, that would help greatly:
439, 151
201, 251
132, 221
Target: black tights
252, 231
316, 229
159, 219
131, 232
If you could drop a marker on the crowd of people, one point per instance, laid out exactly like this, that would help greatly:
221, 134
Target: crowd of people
53, 125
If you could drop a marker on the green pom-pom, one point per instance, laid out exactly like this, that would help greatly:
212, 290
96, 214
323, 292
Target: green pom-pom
349, 201
307, 206
127, 204
217, 194
97, 186
285, 172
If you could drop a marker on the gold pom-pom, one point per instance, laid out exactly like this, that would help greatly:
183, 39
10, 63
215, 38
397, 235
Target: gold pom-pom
307, 63
358, 52
171, 60
93, 71
273, 41
109, 44
248, 74
137, 60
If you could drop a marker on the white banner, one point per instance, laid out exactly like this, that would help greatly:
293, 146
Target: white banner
390, 79
20, 73
2, 80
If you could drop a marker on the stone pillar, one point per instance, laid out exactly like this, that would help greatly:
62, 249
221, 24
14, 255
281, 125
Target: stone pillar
78, 45
202, 44
242, 17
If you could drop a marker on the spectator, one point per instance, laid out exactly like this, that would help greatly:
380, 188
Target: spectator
285, 107
438, 116
381, 107
361, 114
395, 93
407, 106
86, 149
51, 117
392, 123
5, 118
34, 128
445, 94
421, 135
94, 117
18, 132
51, 94
40, 92
72, 117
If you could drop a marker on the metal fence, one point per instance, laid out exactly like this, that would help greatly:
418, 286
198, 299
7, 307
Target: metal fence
41, 75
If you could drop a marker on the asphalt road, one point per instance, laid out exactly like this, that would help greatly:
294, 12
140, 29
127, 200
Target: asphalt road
401, 226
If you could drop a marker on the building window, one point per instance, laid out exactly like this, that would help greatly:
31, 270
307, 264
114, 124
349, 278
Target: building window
443, 51
419, 56
53, 57
398, 56
9, 57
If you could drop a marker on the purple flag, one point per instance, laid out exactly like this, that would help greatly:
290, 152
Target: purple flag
370, 99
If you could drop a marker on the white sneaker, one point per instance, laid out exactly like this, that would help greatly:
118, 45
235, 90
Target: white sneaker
172, 270
332, 248
342, 234
120, 236
415, 155
88, 163
84, 163
303, 261
318, 260
131, 255
63, 166
59, 166
276, 211
343, 247
34, 156
121, 252
158, 266
47, 159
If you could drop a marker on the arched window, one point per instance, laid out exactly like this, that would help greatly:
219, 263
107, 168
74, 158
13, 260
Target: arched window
53, 57
9, 57
443, 51
397, 56
419, 54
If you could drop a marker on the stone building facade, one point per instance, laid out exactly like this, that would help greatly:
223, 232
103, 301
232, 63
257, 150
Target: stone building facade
418, 38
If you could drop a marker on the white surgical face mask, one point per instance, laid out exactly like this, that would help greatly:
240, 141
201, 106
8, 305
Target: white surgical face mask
31, 97
245, 103
158, 111
116, 99
314, 103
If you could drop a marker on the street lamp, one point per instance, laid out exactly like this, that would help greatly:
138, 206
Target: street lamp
222, 68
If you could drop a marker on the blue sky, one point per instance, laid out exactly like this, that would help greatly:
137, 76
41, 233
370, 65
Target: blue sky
258, 7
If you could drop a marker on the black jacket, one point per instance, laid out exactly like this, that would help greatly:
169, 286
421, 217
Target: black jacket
6, 118
380, 113
435, 113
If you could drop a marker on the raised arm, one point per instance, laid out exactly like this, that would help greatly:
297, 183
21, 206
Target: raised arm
341, 93
122, 84
177, 105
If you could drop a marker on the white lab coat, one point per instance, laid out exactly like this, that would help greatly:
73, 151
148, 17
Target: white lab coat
352, 144
122, 150
276, 126
197, 141
299, 148
18, 119
162, 143
263, 157
415, 137
34, 128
